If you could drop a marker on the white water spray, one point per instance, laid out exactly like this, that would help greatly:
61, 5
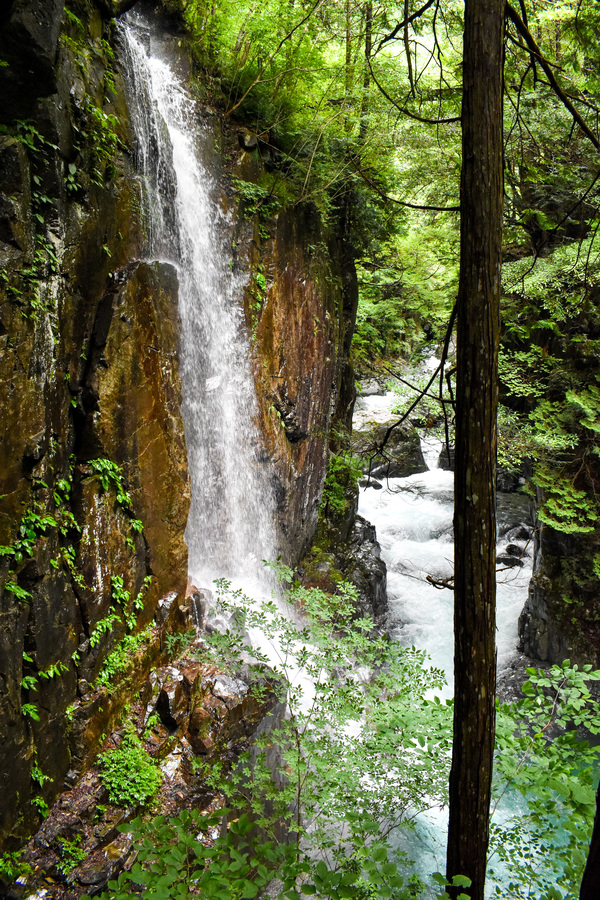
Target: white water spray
230, 527
413, 517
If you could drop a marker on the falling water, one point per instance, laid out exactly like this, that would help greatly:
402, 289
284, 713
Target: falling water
230, 525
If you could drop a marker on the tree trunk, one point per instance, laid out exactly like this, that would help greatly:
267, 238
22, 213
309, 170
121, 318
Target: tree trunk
590, 883
475, 474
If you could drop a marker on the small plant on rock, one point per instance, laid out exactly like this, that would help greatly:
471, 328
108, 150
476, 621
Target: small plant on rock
130, 775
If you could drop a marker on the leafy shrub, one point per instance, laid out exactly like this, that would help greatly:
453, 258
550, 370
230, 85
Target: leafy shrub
131, 777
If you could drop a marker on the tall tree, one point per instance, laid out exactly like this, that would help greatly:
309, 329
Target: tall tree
478, 317
590, 883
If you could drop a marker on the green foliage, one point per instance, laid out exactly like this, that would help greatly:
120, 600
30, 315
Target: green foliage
257, 199
131, 777
13, 866
29, 288
71, 854
179, 642
39, 779
550, 388
336, 747
352, 744
103, 626
31, 710
406, 290
540, 756
363, 749
120, 659
111, 478
343, 472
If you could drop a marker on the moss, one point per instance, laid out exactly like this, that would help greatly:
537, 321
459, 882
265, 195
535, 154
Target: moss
343, 473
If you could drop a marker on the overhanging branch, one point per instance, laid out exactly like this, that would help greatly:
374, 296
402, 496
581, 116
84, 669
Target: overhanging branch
538, 56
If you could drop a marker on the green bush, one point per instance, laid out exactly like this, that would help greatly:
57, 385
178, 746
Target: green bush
131, 777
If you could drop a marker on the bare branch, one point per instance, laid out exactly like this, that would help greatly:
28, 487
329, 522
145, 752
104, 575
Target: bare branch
407, 112
401, 25
378, 448
547, 67
384, 196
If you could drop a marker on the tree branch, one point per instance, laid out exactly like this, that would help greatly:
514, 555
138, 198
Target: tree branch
387, 198
407, 112
378, 449
538, 56
401, 25
283, 40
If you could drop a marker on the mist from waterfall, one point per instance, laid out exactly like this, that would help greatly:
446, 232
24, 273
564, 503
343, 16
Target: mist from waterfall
230, 527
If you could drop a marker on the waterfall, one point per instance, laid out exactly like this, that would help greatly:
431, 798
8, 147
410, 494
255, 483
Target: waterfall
230, 527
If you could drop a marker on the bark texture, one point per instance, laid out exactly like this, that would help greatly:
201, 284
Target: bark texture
475, 473
590, 883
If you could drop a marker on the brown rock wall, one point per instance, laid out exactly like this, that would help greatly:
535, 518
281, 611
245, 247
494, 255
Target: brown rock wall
302, 366
88, 371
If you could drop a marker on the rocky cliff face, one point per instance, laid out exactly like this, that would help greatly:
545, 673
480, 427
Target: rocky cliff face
302, 343
93, 476
548, 629
94, 488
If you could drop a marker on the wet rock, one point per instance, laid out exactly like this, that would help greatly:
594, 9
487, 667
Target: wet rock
247, 140
505, 559
105, 864
29, 43
514, 550
446, 461
401, 456
559, 619
513, 509
539, 634
230, 690
172, 702
356, 559
509, 481
200, 603
371, 388
366, 570
198, 733
302, 342
519, 534
370, 482
165, 606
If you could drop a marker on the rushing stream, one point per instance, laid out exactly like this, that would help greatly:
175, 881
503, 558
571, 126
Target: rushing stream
413, 518
230, 526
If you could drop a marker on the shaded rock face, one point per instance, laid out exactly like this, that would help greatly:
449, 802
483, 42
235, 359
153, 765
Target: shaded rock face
549, 630
305, 380
401, 457
346, 549
93, 472
29, 43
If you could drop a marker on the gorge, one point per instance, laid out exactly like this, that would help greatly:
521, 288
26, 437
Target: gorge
176, 319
